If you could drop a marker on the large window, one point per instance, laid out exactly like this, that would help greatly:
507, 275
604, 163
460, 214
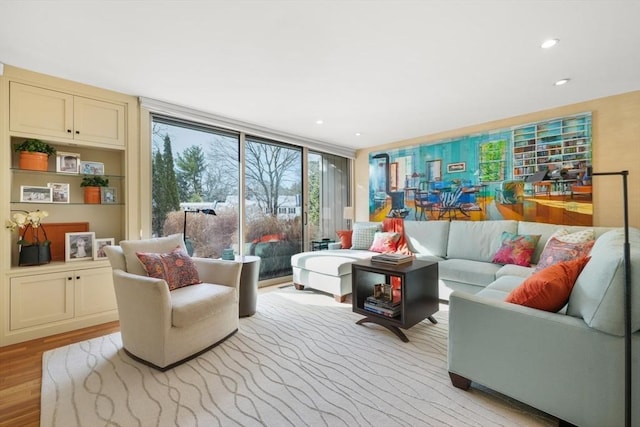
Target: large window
255, 186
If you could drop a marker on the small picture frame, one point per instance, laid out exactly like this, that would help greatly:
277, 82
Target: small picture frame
34, 194
79, 246
456, 167
67, 162
59, 192
98, 247
108, 195
92, 168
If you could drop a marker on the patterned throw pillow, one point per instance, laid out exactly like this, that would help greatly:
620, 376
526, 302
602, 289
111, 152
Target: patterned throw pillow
176, 267
362, 237
581, 236
516, 249
550, 288
385, 242
557, 251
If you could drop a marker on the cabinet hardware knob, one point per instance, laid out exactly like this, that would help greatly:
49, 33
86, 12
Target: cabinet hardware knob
68, 130
78, 277
69, 278
77, 132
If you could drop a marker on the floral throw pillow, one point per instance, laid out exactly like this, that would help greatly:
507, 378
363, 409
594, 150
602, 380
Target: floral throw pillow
516, 249
385, 242
557, 251
176, 267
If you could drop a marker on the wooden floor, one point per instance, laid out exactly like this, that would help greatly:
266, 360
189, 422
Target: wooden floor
21, 373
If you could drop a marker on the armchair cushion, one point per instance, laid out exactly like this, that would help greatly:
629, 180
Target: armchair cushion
175, 267
157, 245
195, 303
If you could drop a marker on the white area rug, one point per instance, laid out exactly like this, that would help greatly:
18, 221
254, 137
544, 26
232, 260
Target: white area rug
299, 361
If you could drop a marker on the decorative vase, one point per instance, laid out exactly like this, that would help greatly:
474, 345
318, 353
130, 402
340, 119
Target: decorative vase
34, 255
92, 195
33, 160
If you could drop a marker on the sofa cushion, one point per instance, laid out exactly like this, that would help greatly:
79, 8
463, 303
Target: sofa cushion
329, 262
515, 270
345, 238
466, 271
175, 267
385, 242
557, 251
477, 240
194, 303
597, 296
516, 249
548, 289
427, 237
501, 287
157, 245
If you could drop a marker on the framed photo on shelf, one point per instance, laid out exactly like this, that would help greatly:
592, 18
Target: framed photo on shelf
98, 247
108, 195
60, 192
92, 168
34, 194
68, 162
79, 246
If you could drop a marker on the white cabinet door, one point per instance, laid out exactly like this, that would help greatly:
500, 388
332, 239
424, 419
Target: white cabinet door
94, 291
40, 111
98, 121
40, 299
50, 113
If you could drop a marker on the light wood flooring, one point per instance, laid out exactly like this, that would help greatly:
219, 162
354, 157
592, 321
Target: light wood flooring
21, 373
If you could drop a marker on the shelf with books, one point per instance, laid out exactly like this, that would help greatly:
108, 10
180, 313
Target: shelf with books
414, 293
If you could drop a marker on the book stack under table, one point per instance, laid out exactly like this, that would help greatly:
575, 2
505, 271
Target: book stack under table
382, 306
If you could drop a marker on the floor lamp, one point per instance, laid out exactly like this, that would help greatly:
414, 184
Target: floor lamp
627, 297
184, 224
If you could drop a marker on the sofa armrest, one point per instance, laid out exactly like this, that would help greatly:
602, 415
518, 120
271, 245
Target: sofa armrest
551, 361
218, 271
334, 245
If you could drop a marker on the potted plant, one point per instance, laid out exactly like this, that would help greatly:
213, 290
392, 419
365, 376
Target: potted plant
33, 249
34, 154
92, 184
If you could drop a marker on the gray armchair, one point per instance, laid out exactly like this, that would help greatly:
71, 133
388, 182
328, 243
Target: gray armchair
163, 328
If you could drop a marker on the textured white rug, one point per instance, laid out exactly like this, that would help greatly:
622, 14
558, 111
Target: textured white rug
299, 361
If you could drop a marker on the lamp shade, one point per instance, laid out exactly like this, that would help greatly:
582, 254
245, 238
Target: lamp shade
348, 212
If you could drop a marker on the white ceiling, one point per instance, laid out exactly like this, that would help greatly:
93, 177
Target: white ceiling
391, 70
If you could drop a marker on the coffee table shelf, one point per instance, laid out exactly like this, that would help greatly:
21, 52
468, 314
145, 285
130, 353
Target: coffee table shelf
418, 292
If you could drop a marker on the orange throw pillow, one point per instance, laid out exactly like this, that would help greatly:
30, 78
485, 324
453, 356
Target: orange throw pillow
550, 288
345, 238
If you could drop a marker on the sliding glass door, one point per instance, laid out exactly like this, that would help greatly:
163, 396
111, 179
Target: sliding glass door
226, 189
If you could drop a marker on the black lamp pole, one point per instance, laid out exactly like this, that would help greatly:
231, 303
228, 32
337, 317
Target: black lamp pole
627, 298
184, 224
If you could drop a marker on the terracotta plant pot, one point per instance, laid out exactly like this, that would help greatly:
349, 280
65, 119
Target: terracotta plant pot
34, 161
92, 195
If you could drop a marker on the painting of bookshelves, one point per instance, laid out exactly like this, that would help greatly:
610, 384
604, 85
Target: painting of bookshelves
560, 143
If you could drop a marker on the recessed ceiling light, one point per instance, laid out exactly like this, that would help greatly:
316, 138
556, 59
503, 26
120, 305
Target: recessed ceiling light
358, 133
319, 122
549, 43
562, 82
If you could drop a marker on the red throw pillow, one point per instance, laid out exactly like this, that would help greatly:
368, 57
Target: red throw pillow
549, 289
345, 238
176, 267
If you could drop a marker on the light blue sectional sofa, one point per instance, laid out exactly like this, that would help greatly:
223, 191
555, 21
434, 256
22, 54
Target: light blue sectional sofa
568, 364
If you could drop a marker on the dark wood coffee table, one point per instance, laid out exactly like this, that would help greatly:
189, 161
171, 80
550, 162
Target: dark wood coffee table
418, 292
